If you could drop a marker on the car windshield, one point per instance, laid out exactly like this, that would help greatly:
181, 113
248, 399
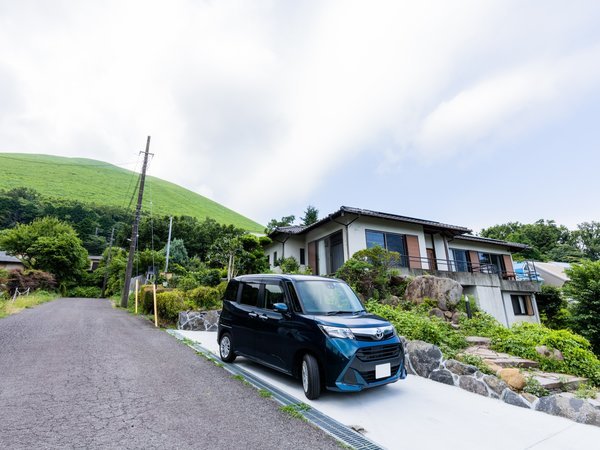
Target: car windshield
327, 297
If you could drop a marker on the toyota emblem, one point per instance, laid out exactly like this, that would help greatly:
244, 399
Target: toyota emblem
378, 334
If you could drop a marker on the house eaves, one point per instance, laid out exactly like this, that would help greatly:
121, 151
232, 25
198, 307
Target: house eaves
348, 214
512, 245
5, 258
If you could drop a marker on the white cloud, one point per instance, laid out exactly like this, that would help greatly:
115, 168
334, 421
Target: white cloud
255, 104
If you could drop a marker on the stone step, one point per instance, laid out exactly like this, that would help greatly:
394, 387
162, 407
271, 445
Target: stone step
557, 381
478, 341
497, 359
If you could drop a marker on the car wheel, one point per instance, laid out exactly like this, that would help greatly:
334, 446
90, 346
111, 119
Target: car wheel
226, 348
311, 378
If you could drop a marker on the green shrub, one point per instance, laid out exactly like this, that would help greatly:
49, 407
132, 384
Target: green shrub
481, 324
521, 340
414, 325
476, 361
85, 292
169, 304
204, 297
534, 387
146, 298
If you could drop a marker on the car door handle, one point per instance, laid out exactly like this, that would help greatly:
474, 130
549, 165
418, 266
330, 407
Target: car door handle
263, 317
252, 314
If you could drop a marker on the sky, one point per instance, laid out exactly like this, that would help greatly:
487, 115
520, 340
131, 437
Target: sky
471, 113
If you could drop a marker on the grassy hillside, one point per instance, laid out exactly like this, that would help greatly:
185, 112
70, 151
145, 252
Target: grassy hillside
98, 182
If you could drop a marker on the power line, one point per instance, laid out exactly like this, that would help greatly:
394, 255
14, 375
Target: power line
99, 164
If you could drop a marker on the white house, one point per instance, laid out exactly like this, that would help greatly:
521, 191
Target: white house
484, 267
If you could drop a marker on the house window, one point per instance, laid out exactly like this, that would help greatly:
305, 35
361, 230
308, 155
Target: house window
302, 257
522, 305
491, 263
274, 258
392, 242
460, 260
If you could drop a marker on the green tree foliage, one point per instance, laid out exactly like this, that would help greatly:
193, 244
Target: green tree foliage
311, 215
285, 221
552, 307
587, 236
546, 239
288, 265
584, 288
47, 244
369, 271
177, 253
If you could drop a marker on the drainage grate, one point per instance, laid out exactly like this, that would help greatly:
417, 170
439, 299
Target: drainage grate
331, 426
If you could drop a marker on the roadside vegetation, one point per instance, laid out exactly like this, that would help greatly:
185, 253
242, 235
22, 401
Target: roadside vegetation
9, 306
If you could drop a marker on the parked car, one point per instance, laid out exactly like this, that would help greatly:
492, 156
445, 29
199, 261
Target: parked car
310, 327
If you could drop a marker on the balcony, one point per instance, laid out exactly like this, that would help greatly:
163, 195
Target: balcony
471, 274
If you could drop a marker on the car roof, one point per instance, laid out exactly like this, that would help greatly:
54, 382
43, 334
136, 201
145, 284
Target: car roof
277, 276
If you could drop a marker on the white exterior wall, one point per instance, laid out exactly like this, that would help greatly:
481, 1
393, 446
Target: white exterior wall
440, 251
478, 247
490, 300
358, 237
512, 318
291, 247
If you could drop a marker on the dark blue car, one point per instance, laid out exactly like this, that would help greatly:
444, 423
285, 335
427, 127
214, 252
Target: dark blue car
310, 327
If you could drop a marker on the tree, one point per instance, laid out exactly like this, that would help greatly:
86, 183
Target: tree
311, 215
552, 307
47, 244
546, 239
584, 289
587, 236
177, 253
285, 221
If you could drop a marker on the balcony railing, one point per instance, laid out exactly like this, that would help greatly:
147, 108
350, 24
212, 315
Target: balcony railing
452, 265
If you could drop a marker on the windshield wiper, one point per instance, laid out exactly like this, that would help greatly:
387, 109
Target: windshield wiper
334, 313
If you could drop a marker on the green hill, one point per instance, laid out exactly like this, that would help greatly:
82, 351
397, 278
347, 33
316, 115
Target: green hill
92, 181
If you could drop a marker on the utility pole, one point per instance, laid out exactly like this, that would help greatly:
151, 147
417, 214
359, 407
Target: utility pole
112, 234
134, 231
169, 244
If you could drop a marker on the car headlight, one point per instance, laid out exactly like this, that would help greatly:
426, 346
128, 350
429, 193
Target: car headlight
337, 332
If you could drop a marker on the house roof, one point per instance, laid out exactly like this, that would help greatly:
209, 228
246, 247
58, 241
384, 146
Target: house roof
556, 269
4, 258
513, 245
348, 210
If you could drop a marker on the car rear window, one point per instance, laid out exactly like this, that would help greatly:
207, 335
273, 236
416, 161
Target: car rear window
231, 291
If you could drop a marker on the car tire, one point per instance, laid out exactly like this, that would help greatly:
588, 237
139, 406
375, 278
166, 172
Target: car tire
226, 349
311, 377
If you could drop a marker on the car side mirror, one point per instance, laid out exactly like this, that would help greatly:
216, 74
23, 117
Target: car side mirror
280, 308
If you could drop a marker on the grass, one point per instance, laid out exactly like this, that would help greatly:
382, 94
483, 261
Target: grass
97, 182
295, 410
9, 307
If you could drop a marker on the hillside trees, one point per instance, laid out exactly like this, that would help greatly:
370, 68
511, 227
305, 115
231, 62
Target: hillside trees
584, 288
311, 215
47, 244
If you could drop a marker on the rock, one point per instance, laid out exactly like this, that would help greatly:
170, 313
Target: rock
459, 368
445, 291
442, 376
198, 320
437, 312
492, 366
478, 340
392, 300
529, 397
424, 357
448, 314
495, 384
456, 316
472, 385
565, 405
513, 377
551, 353
512, 398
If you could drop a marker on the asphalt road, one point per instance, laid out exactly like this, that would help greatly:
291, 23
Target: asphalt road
77, 373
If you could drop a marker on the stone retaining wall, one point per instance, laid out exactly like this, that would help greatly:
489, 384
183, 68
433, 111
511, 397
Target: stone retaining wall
426, 360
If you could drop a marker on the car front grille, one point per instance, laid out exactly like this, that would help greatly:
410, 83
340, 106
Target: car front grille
379, 352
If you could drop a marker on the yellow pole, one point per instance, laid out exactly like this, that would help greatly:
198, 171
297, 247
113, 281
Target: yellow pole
155, 309
137, 287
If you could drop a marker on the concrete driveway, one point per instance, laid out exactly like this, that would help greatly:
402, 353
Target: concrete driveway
418, 413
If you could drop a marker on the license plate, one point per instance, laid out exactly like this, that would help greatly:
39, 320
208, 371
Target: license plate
383, 370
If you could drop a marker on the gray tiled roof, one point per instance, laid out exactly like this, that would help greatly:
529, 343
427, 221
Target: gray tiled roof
7, 258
